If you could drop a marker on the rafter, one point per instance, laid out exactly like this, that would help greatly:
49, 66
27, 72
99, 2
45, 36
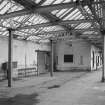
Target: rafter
95, 16
41, 2
87, 15
55, 23
60, 32
28, 4
41, 9
45, 11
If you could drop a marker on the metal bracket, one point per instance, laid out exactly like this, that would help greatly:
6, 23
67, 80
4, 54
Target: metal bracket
102, 31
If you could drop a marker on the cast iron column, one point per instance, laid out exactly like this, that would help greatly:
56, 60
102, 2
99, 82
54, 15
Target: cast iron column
103, 60
10, 37
52, 59
103, 50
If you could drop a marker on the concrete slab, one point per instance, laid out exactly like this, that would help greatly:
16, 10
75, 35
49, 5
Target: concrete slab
66, 88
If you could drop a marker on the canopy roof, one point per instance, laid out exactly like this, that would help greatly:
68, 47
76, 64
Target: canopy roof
39, 20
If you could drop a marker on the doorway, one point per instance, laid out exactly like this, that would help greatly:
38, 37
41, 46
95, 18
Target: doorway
43, 61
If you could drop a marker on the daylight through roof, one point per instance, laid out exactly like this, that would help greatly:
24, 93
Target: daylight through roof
38, 20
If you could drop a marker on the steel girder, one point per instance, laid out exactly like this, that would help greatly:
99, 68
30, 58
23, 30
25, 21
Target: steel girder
66, 22
42, 10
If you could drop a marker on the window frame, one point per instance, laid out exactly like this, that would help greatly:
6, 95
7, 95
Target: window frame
68, 58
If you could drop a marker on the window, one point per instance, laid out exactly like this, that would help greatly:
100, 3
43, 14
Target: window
68, 58
98, 61
81, 60
57, 60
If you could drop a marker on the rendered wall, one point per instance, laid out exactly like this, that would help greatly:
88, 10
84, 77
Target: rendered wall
23, 52
79, 48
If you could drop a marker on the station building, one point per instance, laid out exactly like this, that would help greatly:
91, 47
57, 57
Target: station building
42, 36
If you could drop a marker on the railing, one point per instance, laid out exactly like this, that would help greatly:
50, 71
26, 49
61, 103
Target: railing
27, 72
2, 76
21, 72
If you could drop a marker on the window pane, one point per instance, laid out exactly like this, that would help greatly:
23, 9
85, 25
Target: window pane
68, 58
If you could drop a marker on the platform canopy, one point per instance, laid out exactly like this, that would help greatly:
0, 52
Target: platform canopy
41, 20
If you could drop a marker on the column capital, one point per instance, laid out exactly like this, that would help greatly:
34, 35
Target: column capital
52, 41
10, 29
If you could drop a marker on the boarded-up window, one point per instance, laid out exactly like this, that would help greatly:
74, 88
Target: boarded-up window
56, 59
68, 58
